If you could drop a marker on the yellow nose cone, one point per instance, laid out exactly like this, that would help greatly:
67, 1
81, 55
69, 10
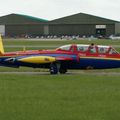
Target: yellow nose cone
38, 59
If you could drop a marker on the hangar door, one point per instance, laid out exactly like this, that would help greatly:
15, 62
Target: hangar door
101, 30
2, 30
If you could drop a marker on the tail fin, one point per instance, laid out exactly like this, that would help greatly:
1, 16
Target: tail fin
1, 46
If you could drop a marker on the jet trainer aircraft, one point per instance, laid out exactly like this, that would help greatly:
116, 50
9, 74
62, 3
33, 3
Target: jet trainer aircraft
73, 56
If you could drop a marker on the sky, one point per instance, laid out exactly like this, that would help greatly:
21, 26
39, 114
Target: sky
53, 9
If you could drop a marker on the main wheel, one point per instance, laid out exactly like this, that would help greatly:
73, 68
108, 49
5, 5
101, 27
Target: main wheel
63, 71
53, 68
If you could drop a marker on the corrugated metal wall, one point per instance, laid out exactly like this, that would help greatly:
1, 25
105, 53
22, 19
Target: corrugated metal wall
56, 29
78, 29
24, 29
110, 29
78, 24
71, 29
117, 28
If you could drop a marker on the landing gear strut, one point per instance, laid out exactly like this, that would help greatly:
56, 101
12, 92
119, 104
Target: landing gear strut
55, 68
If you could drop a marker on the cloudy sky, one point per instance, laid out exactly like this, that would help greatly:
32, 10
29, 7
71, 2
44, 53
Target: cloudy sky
52, 9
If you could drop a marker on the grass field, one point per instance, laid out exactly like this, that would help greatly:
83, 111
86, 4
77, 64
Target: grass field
46, 44
59, 97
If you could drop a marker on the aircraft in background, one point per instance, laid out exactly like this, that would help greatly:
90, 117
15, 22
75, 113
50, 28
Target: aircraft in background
73, 56
114, 37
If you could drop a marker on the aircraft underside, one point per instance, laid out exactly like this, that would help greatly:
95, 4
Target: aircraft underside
63, 66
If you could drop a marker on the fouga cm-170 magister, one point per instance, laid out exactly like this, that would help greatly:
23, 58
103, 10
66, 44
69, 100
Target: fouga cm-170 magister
74, 56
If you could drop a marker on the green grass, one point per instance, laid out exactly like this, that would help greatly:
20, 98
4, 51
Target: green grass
83, 96
59, 97
59, 42
52, 44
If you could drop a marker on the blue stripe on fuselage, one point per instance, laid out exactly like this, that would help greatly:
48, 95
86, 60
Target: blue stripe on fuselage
96, 63
83, 63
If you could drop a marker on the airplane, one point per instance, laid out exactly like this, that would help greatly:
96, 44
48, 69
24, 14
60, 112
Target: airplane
114, 37
71, 56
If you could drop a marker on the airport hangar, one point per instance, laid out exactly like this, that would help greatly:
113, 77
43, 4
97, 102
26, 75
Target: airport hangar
78, 24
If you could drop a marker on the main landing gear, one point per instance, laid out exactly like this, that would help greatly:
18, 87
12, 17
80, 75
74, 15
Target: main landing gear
55, 68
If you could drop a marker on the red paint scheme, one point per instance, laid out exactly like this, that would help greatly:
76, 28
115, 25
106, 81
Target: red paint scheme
75, 56
73, 50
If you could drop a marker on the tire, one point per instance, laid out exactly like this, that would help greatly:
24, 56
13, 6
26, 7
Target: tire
63, 71
53, 68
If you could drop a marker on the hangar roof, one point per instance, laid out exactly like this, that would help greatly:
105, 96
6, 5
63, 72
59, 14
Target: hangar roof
20, 19
82, 18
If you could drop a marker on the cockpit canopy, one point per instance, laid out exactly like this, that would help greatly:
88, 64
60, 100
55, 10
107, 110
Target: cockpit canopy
100, 49
65, 47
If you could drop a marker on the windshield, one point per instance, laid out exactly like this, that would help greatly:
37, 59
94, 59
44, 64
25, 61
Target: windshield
65, 47
113, 51
106, 49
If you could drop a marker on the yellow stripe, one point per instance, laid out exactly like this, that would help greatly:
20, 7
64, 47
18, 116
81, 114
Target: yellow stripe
1, 46
101, 58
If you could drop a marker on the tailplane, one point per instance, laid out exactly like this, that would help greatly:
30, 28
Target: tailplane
1, 46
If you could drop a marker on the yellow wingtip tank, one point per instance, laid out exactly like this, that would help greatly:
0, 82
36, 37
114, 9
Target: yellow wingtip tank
1, 46
38, 59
